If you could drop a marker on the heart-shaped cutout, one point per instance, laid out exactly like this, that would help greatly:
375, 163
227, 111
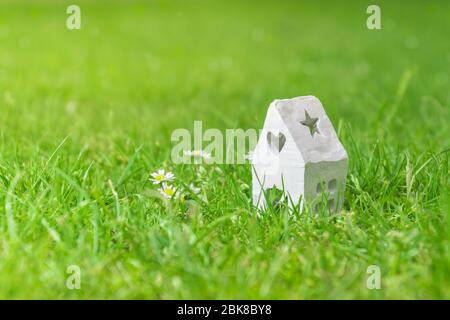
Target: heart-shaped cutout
276, 143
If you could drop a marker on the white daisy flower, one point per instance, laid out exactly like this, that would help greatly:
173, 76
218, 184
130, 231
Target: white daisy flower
197, 154
161, 176
168, 191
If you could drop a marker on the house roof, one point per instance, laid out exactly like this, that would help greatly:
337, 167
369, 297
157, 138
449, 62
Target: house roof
310, 128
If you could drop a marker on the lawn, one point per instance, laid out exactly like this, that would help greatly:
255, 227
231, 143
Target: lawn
86, 115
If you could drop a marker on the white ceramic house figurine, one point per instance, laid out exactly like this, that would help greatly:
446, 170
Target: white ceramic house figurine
299, 153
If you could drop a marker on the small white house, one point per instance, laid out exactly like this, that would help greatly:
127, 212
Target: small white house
298, 152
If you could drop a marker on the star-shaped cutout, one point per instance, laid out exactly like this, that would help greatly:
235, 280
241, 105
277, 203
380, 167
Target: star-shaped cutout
311, 123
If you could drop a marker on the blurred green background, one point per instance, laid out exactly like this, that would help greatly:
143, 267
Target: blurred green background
80, 108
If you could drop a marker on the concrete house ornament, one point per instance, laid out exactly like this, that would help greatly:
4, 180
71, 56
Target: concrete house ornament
299, 153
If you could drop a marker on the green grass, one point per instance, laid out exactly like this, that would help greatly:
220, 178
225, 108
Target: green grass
86, 115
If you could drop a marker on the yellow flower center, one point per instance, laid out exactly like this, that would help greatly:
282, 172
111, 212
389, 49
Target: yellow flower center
160, 177
169, 191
